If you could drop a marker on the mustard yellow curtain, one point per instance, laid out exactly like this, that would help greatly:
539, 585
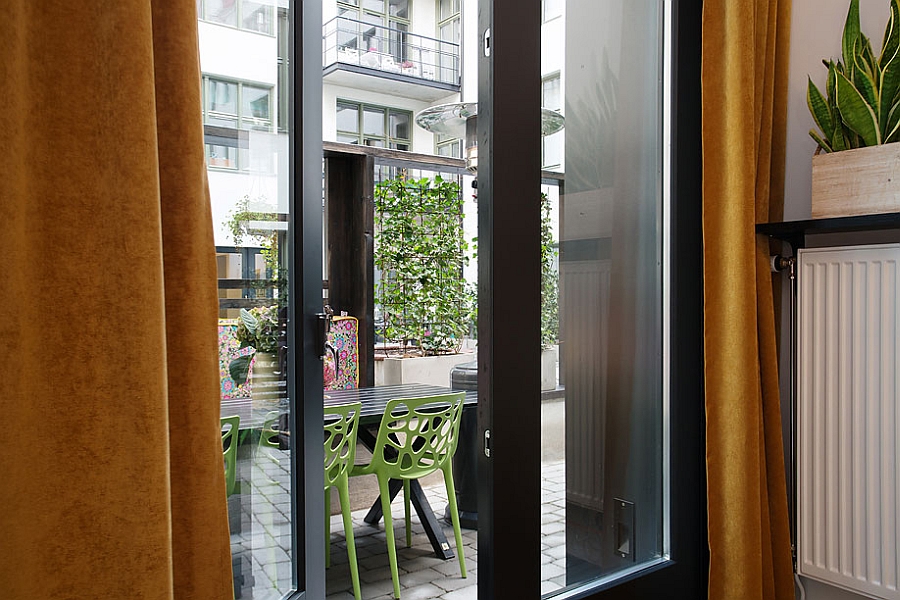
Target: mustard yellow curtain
744, 95
110, 451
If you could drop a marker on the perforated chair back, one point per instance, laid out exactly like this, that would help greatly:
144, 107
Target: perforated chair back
417, 436
230, 427
341, 425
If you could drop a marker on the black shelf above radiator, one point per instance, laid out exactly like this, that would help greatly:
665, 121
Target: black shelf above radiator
795, 232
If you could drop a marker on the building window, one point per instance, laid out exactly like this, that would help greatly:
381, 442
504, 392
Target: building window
552, 145
243, 14
284, 64
445, 145
448, 32
370, 125
234, 105
381, 26
550, 9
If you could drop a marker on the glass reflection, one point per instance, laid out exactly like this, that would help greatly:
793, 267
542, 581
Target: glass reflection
248, 176
603, 514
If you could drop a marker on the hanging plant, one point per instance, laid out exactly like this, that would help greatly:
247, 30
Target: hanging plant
239, 222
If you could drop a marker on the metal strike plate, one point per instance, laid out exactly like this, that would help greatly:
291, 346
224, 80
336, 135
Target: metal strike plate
623, 518
487, 443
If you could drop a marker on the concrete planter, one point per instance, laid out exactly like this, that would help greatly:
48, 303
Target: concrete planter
434, 370
549, 358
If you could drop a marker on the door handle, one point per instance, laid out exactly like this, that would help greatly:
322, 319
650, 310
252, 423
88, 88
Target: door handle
321, 334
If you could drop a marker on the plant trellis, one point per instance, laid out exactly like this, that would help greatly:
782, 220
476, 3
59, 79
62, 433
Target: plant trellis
420, 250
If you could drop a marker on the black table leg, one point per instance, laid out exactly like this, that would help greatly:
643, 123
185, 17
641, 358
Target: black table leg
417, 496
426, 515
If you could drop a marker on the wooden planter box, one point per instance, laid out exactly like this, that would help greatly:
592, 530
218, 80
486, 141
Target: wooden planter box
856, 182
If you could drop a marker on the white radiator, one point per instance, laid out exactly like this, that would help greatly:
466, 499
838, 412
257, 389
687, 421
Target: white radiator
848, 423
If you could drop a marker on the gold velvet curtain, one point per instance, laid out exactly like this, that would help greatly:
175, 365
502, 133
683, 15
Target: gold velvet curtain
744, 94
110, 452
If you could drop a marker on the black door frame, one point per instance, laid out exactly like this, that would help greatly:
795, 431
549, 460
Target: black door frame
509, 276
305, 299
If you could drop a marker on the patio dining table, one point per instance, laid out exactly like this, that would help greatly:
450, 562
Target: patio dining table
374, 400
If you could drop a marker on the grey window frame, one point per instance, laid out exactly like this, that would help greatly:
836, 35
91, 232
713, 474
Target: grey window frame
389, 141
239, 4
241, 119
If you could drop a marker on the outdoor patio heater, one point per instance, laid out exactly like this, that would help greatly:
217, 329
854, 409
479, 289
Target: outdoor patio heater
460, 120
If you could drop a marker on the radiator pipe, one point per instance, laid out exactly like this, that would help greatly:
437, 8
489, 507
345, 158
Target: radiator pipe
781, 264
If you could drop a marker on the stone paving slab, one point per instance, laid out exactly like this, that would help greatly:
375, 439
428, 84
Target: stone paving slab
422, 575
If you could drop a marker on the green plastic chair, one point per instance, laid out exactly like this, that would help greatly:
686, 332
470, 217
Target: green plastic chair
270, 432
417, 437
230, 428
341, 426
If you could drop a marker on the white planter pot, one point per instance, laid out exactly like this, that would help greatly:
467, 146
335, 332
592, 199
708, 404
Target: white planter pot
264, 388
433, 370
549, 358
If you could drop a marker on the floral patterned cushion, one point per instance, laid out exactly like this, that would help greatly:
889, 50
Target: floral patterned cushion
343, 337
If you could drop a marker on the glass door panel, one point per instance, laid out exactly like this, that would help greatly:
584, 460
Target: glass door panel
603, 404
250, 206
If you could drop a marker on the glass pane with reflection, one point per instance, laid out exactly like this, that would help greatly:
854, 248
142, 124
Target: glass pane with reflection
248, 182
603, 404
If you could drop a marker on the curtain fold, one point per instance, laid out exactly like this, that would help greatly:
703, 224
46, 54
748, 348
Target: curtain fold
111, 452
744, 95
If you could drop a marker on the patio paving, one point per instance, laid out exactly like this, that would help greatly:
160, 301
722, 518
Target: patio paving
422, 574
261, 534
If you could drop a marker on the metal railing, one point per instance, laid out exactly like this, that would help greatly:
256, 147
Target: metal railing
389, 50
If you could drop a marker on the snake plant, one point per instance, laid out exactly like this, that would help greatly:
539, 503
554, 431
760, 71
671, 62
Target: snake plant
861, 105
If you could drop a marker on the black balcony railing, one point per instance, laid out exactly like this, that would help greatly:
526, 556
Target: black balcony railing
390, 50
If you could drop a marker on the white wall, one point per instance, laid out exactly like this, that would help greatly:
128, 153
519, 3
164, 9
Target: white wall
238, 54
471, 46
816, 27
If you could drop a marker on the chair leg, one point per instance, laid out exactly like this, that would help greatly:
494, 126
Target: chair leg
406, 514
454, 516
328, 527
389, 532
344, 494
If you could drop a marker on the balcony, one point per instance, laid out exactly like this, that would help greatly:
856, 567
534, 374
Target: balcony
388, 60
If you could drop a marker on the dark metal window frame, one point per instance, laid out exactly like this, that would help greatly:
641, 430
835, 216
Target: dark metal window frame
304, 249
509, 480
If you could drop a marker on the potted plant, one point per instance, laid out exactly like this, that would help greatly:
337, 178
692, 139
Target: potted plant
245, 220
858, 120
258, 329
